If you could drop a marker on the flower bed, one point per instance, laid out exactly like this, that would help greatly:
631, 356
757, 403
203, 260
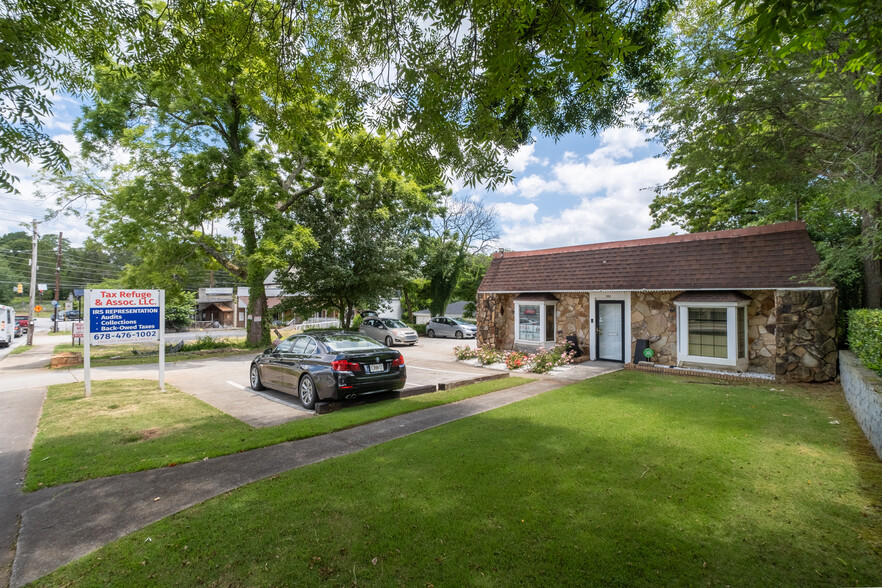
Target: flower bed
541, 362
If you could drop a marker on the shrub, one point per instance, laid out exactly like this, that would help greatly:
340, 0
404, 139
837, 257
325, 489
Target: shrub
206, 342
488, 355
463, 352
544, 360
865, 336
356, 322
420, 329
515, 360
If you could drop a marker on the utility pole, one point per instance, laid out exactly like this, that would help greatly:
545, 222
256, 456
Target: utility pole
57, 281
31, 319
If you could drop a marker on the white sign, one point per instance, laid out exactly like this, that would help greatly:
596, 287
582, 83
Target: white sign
42, 287
78, 330
218, 291
122, 316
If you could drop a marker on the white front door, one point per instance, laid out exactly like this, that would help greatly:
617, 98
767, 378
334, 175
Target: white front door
611, 330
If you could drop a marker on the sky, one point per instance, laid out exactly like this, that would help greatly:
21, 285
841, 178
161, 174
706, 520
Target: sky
580, 189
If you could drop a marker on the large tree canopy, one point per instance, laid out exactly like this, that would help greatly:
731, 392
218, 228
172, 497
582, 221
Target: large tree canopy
762, 144
460, 84
48, 46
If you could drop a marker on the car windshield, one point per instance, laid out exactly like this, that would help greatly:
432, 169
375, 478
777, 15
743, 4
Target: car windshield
344, 342
460, 322
394, 324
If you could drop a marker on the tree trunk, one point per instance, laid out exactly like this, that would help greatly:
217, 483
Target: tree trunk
407, 305
872, 264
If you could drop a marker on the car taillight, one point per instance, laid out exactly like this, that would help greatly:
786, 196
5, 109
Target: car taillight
398, 361
344, 365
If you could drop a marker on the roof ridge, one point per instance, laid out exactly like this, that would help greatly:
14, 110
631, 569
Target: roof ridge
688, 237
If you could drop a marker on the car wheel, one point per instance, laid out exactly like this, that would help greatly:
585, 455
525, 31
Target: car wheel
430, 334
256, 384
388, 341
307, 392
458, 334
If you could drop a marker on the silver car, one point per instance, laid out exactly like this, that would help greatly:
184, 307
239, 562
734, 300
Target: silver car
388, 331
442, 326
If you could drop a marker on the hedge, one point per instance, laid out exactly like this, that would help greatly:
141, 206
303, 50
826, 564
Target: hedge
865, 336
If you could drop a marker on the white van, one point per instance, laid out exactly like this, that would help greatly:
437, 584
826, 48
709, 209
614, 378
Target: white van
7, 325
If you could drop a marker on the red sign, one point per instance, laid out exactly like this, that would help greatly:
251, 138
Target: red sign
78, 330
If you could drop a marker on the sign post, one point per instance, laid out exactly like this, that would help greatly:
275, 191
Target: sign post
116, 317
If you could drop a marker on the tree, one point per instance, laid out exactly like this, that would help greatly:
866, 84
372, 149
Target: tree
201, 157
472, 274
760, 144
365, 221
460, 84
48, 46
463, 227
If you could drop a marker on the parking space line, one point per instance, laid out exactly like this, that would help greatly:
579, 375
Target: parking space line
413, 367
235, 385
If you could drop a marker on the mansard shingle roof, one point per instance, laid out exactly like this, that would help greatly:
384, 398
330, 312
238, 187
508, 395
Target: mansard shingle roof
753, 258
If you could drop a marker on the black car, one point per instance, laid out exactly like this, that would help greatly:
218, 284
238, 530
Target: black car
328, 365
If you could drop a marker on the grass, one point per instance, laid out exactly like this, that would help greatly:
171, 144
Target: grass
129, 425
628, 479
20, 349
107, 355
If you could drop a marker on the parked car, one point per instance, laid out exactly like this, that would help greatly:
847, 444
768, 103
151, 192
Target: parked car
442, 326
22, 320
67, 315
328, 365
389, 331
368, 313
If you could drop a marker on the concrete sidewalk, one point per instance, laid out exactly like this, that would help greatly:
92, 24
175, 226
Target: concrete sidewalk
61, 524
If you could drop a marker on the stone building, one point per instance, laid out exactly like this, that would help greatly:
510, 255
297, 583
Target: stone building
741, 300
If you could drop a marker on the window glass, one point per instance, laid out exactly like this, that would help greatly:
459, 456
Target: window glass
549, 323
528, 322
742, 347
707, 332
310, 348
300, 345
394, 324
342, 342
285, 346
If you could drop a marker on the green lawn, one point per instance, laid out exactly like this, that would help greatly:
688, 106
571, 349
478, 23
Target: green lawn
107, 355
628, 479
129, 425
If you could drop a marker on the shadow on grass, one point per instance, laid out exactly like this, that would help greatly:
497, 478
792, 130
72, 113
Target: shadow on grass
576, 487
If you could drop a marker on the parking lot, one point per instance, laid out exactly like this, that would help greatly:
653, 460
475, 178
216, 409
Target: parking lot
223, 382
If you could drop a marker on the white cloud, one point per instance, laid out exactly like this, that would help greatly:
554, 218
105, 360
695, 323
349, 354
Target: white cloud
613, 204
524, 157
516, 213
532, 186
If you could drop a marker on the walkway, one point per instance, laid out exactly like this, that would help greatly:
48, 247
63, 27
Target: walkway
61, 524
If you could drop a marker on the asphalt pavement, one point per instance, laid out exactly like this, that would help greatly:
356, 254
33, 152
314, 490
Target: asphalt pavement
44, 530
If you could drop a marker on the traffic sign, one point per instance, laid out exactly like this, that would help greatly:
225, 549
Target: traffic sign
38, 308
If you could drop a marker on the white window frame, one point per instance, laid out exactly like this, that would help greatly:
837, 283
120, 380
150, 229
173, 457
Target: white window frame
732, 359
543, 307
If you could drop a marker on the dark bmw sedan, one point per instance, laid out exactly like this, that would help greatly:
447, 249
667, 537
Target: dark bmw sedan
324, 365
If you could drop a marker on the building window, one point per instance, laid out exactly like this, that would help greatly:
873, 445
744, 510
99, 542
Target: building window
535, 322
707, 332
713, 333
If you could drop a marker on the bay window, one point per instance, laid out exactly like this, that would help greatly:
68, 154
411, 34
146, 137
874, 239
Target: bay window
535, 319
712, 328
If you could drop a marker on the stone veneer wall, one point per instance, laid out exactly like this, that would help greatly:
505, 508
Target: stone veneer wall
806, 335
495, 318
653, 320
863, 390
573, 318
